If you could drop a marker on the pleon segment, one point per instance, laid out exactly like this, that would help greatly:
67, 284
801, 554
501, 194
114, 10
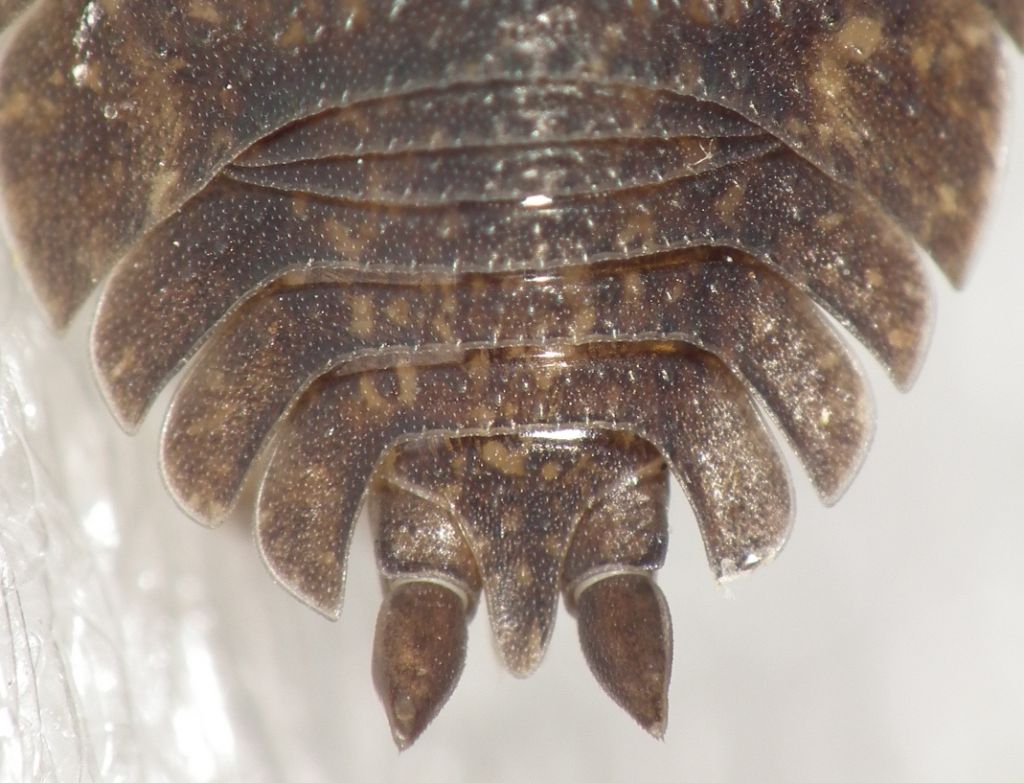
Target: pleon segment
174, 288
497, 115
768, 333
101, 113
505, 173
682, 401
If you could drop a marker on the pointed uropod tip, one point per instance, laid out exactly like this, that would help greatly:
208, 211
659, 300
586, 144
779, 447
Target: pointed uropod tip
419, 651
406, 722
626, 636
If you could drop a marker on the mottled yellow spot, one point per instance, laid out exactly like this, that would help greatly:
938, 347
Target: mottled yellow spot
550, 471
362, 315
398, 312
443, 329
829, 361
829, 79
874, 278
347, 241
861, 36
354, 13
372, 398
830, 221
15, 107
498, 456
478, 366
326, 560
730, 201
633, 287
584, 318
796, 127
546, 373
293, 36
948, 200
481, 416
124, 364
923, 56
639, 230
300, 205
163, 185
408, 385
901, 339
204, 11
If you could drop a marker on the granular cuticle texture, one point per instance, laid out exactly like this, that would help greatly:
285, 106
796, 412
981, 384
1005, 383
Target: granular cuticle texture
497, 272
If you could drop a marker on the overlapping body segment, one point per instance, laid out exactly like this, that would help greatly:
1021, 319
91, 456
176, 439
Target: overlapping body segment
104, 103
496, 270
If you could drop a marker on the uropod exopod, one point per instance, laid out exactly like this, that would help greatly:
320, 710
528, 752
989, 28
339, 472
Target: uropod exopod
497, 271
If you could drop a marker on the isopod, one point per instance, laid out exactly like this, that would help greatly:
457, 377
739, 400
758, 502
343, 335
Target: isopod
495, 270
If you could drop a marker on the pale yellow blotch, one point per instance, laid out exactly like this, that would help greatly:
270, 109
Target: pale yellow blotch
512, 521
372, 398
443, 328
948, 200
730, 201
408, 383
633, 287
495, 454
550, 471
830, 221
830, 360
347, 241
524, 575
861, 36
829, 79
327, 560
796, 127
204, 11
294, 36
874, 278
15, 108
584, 318
398, 312
545, 375
354, 13
638, 230
300, 205
126, 363
362, 315
163, 185
478, 366
481, 416
901, 338
922, 57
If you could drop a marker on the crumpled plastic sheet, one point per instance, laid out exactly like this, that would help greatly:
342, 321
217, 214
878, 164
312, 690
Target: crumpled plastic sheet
885, 644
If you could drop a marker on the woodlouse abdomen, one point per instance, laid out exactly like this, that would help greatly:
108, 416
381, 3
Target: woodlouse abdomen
513, 259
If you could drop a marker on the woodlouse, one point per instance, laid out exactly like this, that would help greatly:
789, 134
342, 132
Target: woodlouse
511, 258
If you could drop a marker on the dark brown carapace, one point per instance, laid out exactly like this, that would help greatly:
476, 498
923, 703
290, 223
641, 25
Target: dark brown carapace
494, 269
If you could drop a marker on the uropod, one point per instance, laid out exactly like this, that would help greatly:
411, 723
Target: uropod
494, 271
